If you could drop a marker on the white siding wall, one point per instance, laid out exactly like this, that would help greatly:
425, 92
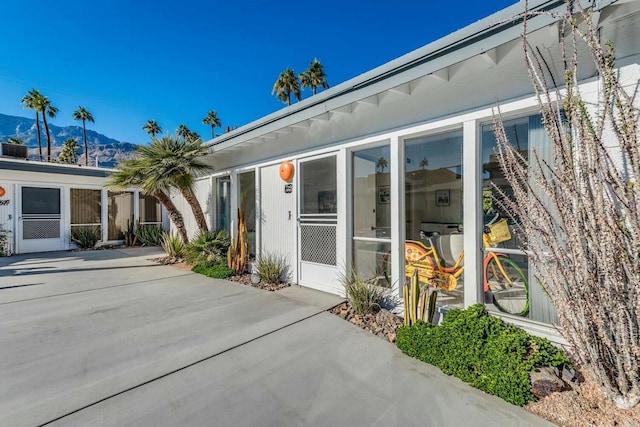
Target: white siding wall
278, 217
206, 196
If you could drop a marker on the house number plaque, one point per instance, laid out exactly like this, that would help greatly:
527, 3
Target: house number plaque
288, 188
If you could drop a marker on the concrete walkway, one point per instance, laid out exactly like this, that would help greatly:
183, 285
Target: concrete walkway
109, 338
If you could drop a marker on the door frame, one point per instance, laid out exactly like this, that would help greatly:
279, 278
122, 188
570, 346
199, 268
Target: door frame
18, 225
332, 285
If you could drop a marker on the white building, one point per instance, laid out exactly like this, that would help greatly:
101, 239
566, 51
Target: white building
42, 203
405, 147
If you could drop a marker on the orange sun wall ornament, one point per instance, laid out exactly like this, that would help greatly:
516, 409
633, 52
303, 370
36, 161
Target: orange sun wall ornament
286, 171
2, 192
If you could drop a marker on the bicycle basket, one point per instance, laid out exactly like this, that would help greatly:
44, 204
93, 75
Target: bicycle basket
499, 232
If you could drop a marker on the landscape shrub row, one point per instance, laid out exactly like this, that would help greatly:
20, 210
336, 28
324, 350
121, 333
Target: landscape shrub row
482, 351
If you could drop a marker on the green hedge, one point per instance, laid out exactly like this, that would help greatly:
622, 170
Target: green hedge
216, 271
483, 351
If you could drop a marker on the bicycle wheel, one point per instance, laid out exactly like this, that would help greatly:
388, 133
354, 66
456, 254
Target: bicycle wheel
508, 286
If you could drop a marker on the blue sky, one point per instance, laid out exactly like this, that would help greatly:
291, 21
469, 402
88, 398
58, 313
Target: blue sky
128, 61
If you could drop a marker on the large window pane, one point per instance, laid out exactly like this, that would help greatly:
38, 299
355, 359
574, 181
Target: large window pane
372, 214
372, 261
150, 210
120, 209
86, 207
247, 193
372, 193
526, 134
433, 206
223, 205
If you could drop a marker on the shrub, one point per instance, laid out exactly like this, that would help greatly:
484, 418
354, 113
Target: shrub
172, 245
272, 268
365, 297
149, 235
216, 271
86, 237
4, 241
483, 351
208, 248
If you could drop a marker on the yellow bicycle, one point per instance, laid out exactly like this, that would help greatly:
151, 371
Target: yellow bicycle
504, 282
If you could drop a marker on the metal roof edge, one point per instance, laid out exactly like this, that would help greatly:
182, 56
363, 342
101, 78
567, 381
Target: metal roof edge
495, 24
31, 166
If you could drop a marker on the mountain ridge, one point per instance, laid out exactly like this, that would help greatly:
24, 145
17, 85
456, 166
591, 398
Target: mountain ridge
109, 151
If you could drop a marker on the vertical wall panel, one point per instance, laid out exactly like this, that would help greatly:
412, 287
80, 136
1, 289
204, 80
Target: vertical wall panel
277, 215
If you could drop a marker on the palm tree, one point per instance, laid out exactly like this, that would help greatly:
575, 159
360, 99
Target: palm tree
135, 173
424, 163
382, 163
46, 109
286, 85
31, 100
152, 128
177, 160
69, 153
212, 120
314, 77
82, 114
183, 131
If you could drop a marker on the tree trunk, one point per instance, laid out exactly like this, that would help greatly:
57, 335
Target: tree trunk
191, 198
174, 215
46, 128
39, 136
84, 137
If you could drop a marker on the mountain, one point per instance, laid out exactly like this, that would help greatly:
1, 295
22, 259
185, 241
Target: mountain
108, 150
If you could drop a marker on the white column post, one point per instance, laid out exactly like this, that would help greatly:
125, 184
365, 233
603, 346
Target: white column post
397, 212
136, 208
472, 218
233, 202
343, 232
105, 214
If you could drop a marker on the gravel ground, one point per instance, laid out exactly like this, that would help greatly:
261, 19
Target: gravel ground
583, 406
382, 324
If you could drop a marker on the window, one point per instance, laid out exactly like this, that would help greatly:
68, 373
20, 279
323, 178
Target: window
223, 205
372, 214
120, 209
150, 210
433, 204
528, 135
247, 193
86, 209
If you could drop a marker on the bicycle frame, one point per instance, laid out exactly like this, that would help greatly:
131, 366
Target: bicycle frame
436, 273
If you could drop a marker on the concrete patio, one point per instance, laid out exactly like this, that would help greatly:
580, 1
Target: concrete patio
110, 338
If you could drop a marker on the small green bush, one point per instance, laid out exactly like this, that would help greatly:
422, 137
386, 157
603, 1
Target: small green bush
271, 268
365, 297
216, 271
483, 351
86, 237
208, 248
4, 241
172, 245
149, 235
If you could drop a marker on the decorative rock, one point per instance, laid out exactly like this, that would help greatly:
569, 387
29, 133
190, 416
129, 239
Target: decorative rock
545, 381
255, 279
